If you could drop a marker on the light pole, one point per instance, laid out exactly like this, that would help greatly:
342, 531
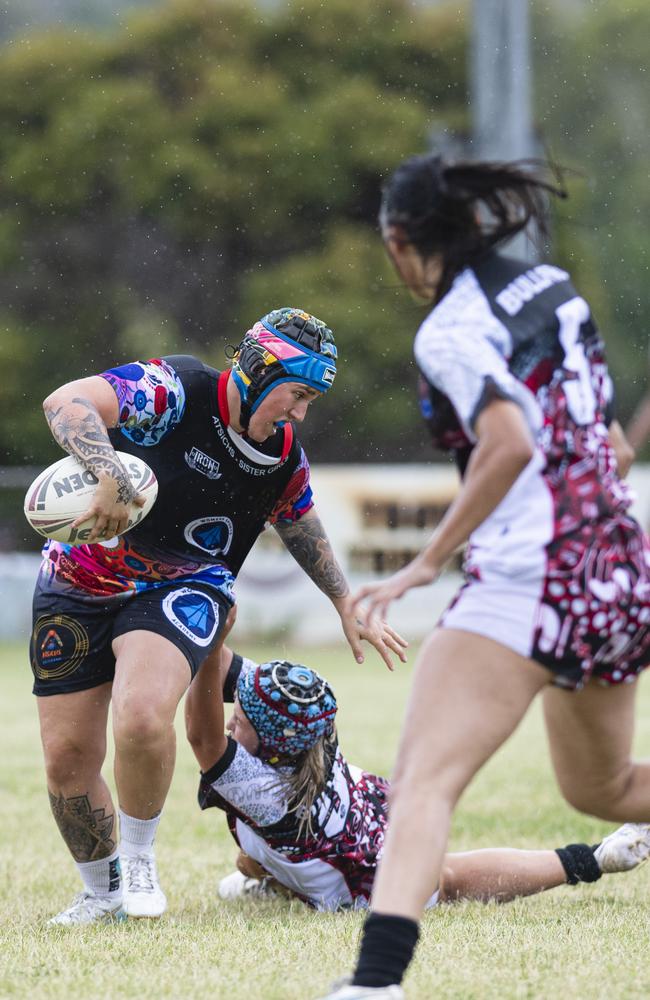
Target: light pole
500, 94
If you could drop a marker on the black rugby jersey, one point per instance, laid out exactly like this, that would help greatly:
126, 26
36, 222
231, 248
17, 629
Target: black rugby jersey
213, 499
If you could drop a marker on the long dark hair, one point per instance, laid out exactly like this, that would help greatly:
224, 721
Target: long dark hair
462, 210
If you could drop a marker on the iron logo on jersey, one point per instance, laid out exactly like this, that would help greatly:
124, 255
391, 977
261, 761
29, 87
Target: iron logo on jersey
193, 613
200, 462
211, 534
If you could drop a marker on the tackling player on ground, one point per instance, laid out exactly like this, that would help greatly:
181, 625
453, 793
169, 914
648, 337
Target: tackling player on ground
311, 825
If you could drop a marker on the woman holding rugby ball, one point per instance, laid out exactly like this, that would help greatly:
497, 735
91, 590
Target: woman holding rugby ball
127, 621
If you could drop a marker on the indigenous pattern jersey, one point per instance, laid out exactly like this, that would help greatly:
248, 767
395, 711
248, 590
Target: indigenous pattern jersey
216, 491
331, 867
562, 536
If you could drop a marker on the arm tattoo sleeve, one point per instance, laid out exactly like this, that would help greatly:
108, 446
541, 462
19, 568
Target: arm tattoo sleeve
86, 831
309, 545
79, 429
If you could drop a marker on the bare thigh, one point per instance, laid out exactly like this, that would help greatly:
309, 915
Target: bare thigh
151, 676
590, 734
469, 693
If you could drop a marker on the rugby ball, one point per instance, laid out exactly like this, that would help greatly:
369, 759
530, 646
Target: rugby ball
64, 490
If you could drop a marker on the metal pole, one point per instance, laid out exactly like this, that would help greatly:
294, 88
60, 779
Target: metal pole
501, 88
500, 72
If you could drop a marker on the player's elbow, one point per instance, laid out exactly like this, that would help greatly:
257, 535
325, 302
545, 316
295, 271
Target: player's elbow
53, 402
522, 452
207, 745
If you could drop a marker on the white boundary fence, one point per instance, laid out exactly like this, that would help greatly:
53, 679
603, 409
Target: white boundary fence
376, 516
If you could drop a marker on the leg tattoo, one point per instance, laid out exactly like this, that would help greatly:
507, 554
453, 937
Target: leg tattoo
86, 831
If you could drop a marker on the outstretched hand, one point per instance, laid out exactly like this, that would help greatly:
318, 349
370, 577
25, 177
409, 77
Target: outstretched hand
377, 597
378, 633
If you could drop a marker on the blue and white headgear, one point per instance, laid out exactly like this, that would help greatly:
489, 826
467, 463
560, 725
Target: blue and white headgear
286, 345
289, 706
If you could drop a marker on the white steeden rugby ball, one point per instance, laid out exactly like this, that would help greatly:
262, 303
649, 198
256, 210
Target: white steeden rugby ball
64, 490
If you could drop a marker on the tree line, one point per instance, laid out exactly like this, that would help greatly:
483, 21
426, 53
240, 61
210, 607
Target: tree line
165, 184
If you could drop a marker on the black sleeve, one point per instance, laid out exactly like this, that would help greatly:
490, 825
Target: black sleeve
184, 363
207, 796
230, 683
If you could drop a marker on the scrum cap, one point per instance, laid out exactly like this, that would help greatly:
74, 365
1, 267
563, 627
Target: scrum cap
289, 706
286, 345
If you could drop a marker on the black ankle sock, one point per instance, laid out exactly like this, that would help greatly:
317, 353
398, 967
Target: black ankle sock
387, 948
579, 863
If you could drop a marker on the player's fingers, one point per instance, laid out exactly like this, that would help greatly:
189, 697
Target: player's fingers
82, 517
114, 527
377, 612
363, 592
395, 647
394, 635
98, 532
139, 500
355, 645
382, 649
373, 604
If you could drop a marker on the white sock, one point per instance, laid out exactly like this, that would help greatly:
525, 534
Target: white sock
137, 835
103, 878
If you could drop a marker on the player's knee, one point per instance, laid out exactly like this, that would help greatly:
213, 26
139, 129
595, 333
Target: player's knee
68, 760
448, 884
603, 797
139, 724
421, 791
415, 779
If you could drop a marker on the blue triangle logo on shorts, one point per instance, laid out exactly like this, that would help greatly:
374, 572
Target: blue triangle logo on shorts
196, 612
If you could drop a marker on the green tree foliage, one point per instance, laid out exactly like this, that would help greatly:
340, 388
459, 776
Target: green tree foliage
591, 77
165, 185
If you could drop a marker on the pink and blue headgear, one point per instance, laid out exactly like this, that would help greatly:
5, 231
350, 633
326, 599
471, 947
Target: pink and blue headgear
286, 345
289, 706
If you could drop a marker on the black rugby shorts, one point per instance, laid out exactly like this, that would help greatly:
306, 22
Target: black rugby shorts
70, 647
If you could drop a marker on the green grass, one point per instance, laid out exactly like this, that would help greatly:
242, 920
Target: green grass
588, 942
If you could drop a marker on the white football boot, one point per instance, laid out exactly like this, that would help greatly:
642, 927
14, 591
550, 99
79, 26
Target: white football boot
143, 896
87, 908
238, 886
342, 990
624, 849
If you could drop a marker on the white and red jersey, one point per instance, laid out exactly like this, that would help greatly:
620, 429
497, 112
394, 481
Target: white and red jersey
558, 571
332, 867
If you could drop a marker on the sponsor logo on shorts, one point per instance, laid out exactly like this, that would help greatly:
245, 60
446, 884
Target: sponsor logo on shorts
193, 613
200, 462
59, 645
210, 534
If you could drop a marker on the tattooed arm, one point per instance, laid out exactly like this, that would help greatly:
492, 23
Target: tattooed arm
79, 415
309, 545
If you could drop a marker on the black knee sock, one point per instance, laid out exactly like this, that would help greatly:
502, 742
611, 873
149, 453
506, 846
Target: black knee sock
579, 863
387, 948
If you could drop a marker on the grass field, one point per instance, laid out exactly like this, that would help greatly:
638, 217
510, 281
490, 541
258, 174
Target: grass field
587, 942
